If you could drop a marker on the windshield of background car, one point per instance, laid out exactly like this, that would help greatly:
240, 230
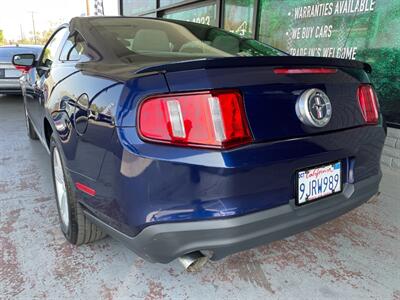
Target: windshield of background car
175, 39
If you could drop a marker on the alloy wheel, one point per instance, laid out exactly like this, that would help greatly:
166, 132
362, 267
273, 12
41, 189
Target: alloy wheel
61, 190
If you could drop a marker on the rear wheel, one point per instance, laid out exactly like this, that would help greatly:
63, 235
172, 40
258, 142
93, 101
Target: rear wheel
75, 226
29, 128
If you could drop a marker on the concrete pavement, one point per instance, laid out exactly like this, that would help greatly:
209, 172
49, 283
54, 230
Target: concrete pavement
353, 257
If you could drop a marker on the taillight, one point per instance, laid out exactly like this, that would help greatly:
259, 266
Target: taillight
368, 103
213, 119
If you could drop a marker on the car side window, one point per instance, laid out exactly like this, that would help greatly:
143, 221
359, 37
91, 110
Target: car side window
73, 49
50, 52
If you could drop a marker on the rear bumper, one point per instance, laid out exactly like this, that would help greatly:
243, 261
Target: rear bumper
10, 86
165, 242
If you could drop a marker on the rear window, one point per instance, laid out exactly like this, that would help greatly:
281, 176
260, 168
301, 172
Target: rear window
175, 39
7, 53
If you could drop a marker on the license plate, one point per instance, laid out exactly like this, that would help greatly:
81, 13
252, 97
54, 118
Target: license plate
12, 73
318, 182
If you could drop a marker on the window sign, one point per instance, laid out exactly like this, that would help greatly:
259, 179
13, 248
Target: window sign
150, 15
204, 15
239, 17
366, 30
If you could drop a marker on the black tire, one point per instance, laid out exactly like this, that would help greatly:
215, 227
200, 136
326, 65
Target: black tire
29, 128
80, 230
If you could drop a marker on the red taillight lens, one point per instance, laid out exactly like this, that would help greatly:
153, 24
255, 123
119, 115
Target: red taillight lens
23, 69
368, 103
213, 119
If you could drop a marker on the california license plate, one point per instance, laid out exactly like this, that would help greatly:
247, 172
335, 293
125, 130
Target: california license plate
319, 182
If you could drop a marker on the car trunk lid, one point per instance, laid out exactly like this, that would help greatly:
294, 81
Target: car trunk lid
270, 98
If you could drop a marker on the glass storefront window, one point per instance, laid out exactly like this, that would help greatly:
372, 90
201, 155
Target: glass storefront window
239, 17
363, 30
169, 2
150, 15
327, 29
135, 7
206, 14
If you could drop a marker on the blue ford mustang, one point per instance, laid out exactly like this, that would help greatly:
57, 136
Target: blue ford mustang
181, 139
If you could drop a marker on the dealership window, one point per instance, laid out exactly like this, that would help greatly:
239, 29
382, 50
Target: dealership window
239, 17
274, 22
370, 35
135, 7
203, 14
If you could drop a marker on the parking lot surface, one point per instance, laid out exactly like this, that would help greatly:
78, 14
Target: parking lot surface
353, 257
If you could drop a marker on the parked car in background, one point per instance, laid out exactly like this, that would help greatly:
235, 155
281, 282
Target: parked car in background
9, 74
181, 139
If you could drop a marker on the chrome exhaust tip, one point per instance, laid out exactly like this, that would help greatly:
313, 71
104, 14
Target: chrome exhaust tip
193, 261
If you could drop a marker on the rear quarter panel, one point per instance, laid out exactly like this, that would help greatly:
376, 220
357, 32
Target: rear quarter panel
84, 151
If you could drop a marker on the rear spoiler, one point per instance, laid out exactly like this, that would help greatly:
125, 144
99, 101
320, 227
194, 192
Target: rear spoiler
276, 61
